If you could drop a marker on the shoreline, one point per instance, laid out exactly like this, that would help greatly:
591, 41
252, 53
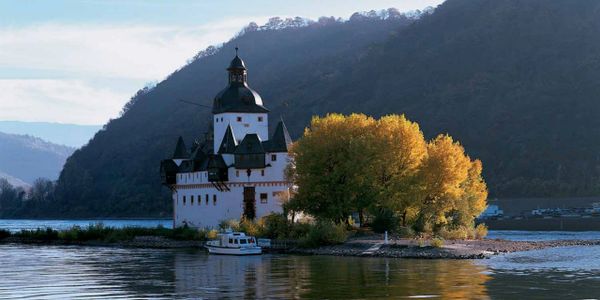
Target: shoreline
397, 248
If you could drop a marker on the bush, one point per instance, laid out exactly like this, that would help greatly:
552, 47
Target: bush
406, 232
47, 234
385, 220
481, 231
229, 224
250, 228
4, 234
212, 234
437, 242
275, 226
458, 233
324, 233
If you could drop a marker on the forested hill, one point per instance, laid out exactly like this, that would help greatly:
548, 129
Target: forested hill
516, 81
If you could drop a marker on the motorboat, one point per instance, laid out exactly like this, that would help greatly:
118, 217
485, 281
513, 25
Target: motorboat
233, 243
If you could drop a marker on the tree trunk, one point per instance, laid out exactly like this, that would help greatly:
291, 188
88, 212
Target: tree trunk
404, 219
361, 217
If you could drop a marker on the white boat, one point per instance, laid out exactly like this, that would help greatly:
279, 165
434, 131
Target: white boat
233, 243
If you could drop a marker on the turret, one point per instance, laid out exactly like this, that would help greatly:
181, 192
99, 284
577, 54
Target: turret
238, 106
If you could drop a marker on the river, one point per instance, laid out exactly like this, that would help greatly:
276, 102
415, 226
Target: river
59, 272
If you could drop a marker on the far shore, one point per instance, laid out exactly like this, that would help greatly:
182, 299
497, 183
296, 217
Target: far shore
372, 246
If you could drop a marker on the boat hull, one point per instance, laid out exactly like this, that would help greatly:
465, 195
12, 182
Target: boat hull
234, 251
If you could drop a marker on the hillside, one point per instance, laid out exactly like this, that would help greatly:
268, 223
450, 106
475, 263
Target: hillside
63, 134
515, 81
25, 158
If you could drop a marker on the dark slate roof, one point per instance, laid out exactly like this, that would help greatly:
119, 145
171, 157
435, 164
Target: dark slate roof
216, 161
168, 166
237, 63
186, 166
229, 143
251, 144
281, 140
180, 150
198, 158
238, 97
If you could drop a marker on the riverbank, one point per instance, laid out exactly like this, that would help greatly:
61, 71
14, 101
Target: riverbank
458, 249
362, 247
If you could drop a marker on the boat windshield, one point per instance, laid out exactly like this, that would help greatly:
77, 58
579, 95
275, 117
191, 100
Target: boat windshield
243, 241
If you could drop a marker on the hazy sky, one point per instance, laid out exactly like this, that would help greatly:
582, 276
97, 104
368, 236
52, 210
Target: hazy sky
80, 61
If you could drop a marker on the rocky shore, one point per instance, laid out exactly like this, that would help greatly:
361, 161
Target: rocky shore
365, 247
459, 249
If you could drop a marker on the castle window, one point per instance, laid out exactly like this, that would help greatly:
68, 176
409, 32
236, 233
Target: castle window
217, 120
263, 198
221, 119
239, 119
214, 199
273, 157
206, 199
260, 119
183, 200
199, 199
246, 125
192, 200
237, 173
262, 172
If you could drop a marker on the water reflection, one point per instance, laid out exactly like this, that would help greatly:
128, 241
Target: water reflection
94, 272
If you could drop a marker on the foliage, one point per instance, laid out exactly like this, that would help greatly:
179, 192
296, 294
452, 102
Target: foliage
460, 70
4, 233
354, 163
437, 242
385, 221
229, 224
324, 233
481, 231
276, 226
42, 234
99, 232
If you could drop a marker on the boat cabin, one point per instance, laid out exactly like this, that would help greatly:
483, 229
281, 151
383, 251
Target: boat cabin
236, 239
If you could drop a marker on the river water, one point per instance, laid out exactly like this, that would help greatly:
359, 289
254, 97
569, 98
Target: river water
59, 272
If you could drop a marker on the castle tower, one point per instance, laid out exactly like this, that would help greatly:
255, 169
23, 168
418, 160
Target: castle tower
239, 107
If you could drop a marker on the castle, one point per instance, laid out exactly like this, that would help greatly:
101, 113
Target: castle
240, 173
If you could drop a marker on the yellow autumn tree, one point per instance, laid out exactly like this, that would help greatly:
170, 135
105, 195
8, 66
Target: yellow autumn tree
329, 166
347, 164
453, 191
400, 149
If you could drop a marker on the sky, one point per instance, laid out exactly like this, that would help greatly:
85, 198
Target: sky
79, 62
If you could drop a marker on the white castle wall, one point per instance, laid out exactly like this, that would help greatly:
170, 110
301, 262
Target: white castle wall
249, 124
229, 204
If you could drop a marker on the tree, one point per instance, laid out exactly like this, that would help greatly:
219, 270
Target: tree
346, 164
332, 163
399, 151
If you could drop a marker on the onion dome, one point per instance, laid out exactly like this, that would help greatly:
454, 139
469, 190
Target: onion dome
238, 96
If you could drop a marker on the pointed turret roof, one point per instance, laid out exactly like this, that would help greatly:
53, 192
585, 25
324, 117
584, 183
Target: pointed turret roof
251, 144
281, 139
180, 150
228, 143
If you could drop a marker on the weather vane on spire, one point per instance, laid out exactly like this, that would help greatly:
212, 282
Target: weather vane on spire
236, 50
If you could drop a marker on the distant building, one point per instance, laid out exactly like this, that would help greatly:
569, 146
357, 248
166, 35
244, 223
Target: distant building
491, 211
236, 173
